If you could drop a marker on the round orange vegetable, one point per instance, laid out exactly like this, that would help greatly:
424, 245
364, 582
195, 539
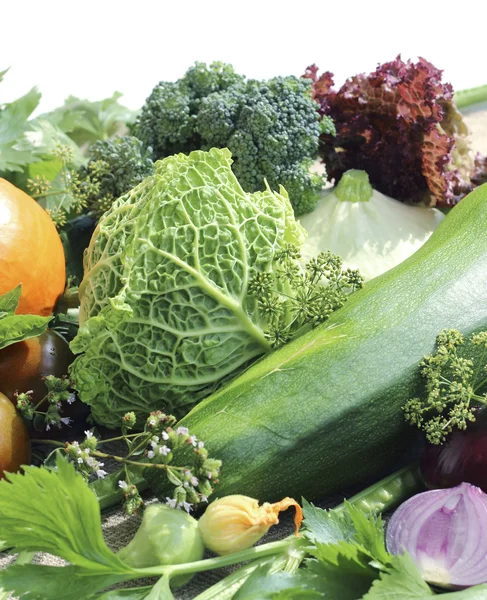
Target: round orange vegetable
14, 439
31, 252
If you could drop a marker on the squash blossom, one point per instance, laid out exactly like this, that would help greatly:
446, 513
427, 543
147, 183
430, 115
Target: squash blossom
237, 522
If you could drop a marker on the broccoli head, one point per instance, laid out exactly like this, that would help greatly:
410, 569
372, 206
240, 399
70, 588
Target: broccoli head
114, 167
271, 127
166, 122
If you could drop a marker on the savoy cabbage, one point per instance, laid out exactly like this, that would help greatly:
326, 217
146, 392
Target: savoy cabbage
165, 311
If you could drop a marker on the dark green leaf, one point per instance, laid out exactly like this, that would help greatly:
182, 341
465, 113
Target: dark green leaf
326, 526
345, 568
369, 533
16, 328
39, 582
10, 300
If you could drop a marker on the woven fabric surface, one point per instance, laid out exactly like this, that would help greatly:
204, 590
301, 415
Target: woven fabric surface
119, 529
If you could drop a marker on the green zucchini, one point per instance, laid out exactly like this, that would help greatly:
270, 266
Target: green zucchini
325, 411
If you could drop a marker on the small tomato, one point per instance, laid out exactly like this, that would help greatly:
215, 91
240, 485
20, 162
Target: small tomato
14, 439
23, 366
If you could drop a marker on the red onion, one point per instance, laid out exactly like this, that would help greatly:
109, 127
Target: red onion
463, 457
445, 532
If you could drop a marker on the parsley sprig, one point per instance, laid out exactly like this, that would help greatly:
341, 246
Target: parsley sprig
454, 386
292, 296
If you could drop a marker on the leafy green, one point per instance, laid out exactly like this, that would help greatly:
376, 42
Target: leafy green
16, 328
15, 149
165, 311
87, 121
48, 511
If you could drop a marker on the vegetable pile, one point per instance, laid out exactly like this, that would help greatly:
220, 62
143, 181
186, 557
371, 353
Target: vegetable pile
187, 312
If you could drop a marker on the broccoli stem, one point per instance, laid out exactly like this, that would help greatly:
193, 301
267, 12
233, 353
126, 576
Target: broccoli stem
476, 95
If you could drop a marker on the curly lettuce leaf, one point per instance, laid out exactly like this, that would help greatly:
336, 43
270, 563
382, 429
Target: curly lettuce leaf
165, 315
401, 125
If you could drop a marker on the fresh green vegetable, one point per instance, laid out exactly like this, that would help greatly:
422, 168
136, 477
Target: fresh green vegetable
16, 328
271, 127
455, 386
86, 121
325, 410
114, 167
370, 231
165, 537
166, 122
47, 511
167, 312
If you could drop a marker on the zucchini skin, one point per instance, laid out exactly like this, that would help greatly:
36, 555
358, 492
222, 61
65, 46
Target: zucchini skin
325, 411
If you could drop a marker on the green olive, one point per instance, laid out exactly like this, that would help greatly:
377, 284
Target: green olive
165, 537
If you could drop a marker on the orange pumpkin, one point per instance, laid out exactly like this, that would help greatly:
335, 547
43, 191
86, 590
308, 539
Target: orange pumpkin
31, 252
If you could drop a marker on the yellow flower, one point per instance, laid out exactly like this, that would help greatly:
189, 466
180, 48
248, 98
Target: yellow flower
237, 522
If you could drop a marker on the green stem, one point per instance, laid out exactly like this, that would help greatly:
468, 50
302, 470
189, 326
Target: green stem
208, 564
379, 497
475, 95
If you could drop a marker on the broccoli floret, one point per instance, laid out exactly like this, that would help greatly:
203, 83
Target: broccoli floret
271, 127
114, 167
166, 122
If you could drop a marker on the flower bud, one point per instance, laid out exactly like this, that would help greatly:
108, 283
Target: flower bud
236, 522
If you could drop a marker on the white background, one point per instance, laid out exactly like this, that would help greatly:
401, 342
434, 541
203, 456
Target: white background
92, 48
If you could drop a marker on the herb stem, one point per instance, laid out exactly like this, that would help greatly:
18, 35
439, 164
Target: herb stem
475, 95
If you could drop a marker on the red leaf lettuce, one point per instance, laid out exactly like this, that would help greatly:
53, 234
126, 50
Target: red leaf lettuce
401, 125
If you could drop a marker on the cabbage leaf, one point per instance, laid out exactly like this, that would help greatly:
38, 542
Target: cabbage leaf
165, 313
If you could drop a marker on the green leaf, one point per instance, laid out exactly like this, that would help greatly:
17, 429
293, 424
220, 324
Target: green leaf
10, 300
16, 328
86, 121
345, 567
49, 511
326, 526
369, 533
403, 581
161, 591
15, 153
262, 585
39, 582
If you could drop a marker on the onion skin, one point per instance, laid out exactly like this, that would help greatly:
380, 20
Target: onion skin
463, 457
445, 532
